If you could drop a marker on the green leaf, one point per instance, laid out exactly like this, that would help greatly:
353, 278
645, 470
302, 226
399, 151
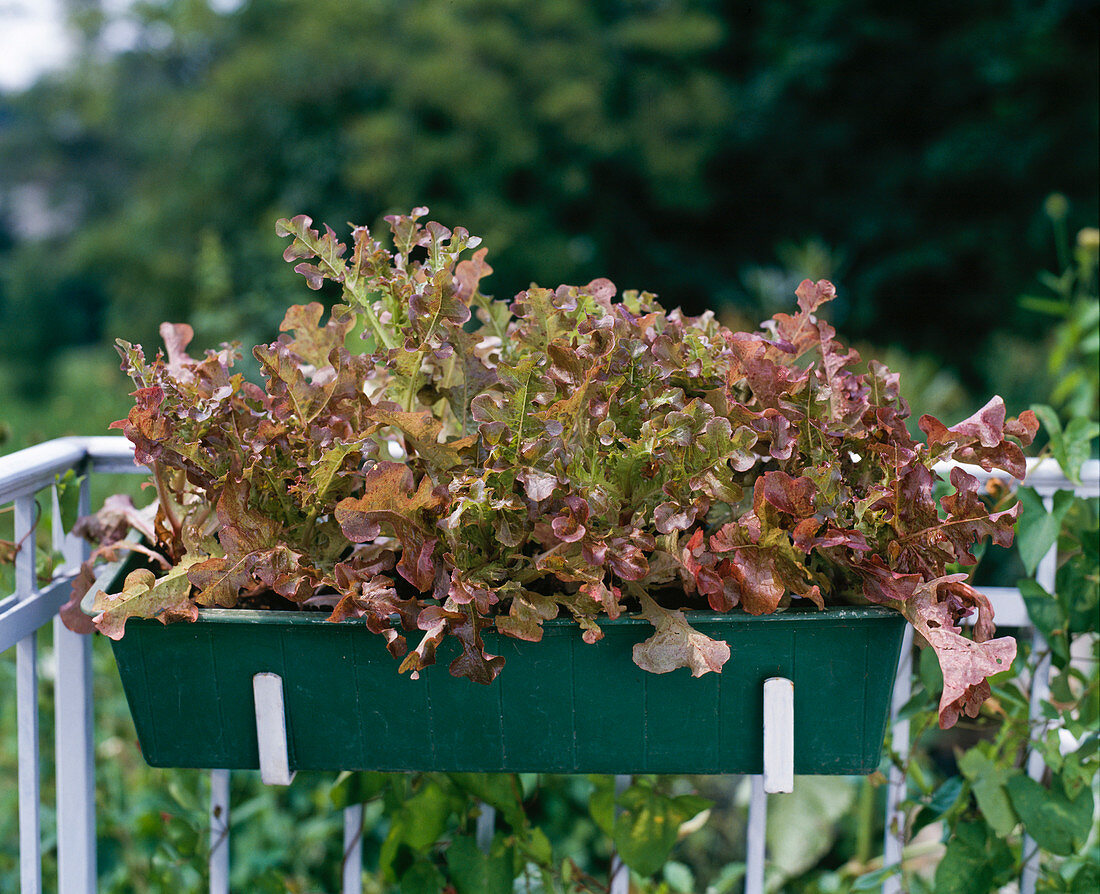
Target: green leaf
1044, 610
476, 873
646, 829
803, 826
601, 804
68, 497
1077, 440
146, 596
943, 799
872, 881
357, 787
988, 783
422, 878
679, 877
537, 846
1086, 880
425, 816
1057, 823
976, 862
729, 879
1037, 530
499, 790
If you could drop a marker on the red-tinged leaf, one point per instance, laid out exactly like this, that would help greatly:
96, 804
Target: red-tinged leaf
308, 243
474, 663
313, 275
968, 520
811, 295
537, 485
833, 537
376, 602
1006, 456
436, 622
286, 378
283, 571
177, 336
980, 439
1025, 427
606, 597
422, 433
72, 616
720, 586
677, 644
114, 520
804, 536
781, 435
145, 426
243, 529
669, 517
795, 496
884, 586
986, 427
418, 564
220, 581
388, 496
468, 275
525, 616
770, 382
627, 561
753, 573
966, 664
144, 595
314, 343
814, 595
567, 529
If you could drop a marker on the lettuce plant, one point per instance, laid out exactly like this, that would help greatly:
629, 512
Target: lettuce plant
475, 463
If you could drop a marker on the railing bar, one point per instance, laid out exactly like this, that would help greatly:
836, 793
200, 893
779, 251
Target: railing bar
26, 680
352, 870
75, 733
1045, 475
21, 618
26, 471
755, 854
219, 832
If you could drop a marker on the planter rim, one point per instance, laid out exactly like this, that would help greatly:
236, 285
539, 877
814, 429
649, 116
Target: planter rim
567, 625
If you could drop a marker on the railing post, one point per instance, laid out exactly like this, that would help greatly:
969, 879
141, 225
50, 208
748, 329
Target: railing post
1045, 576
26, 684
756, 839
894, 837
219, 832
620, 872
486, 823
352, 870
75, 740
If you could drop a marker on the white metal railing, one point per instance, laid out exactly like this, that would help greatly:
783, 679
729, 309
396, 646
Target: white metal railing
1010, 611
27, 473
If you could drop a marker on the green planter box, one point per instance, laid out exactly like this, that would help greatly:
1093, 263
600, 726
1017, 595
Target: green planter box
558, 706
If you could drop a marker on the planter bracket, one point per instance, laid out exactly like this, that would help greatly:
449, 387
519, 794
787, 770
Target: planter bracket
267, 689
778, 735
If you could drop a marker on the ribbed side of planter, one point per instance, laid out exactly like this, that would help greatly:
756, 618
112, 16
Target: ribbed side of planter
559, 705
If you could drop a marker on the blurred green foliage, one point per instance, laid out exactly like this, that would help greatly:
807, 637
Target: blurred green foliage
668, 144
